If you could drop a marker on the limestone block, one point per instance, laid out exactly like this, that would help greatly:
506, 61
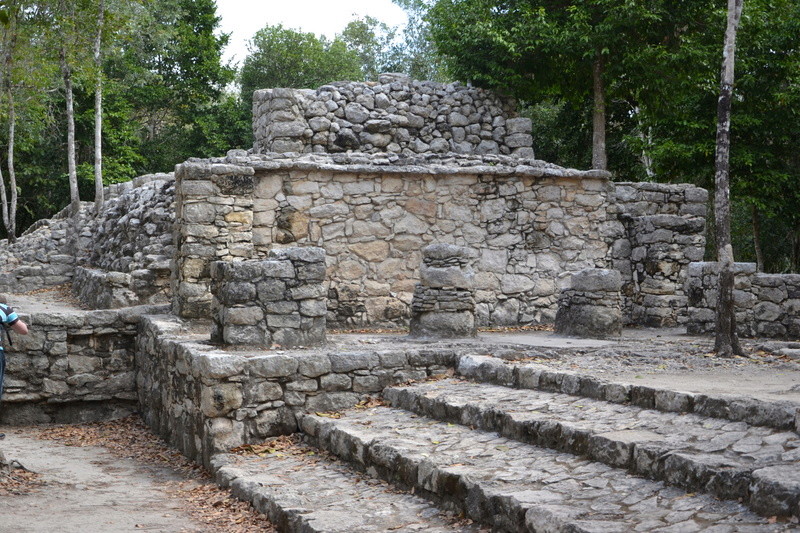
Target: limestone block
335, 382
516, 283
374, 251
270, 290
452, 276
208, 366
254, 335
588, 320
273, 365
444, 325
356, 113
596, 279
220, 399
244, 316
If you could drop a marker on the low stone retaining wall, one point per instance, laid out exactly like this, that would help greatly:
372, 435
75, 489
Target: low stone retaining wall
767, 305
204, 400
71, 366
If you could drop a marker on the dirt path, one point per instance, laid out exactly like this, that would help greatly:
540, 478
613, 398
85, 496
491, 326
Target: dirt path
108, 477
89, 489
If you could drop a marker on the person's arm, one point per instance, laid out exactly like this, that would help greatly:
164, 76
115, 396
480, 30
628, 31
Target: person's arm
10, 318
20, 327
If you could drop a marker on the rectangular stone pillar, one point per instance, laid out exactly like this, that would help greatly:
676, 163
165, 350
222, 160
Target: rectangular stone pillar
280, 301
213, 221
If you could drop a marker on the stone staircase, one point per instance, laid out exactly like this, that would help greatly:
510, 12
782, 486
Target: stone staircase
523, 459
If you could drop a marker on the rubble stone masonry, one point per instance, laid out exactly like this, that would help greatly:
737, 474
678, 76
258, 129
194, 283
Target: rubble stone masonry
396, 115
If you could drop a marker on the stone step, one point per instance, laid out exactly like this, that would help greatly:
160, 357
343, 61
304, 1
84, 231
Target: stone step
303, 491
732, 460
514, 486
769, 413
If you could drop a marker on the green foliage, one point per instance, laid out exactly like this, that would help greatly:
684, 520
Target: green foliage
281, 57
372, 40
164, 97
417, 55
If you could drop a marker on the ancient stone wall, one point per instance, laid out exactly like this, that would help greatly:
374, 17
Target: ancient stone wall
277, 302
396, 115
530, 222
204, 400
134, 231
767, 305
664, 232
121, 258
78, 358
42, 256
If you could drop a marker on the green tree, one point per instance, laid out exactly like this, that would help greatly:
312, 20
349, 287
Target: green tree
281, 57
417, 55
170, 61
373, 42
763, 160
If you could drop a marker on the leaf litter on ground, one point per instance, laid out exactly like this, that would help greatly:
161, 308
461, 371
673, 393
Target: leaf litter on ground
203, 500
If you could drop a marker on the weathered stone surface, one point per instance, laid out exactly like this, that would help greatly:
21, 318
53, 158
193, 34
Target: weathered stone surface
325, 496
554, 490
264, 302
379, 118
765, 304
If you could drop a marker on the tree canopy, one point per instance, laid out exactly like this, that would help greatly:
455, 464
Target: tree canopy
659, 64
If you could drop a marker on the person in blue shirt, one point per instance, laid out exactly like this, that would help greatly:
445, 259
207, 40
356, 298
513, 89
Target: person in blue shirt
9, 320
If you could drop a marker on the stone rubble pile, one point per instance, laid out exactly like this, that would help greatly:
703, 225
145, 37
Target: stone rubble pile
117, 259
134, 231
443, 305
397, 115
591, 306
280, 300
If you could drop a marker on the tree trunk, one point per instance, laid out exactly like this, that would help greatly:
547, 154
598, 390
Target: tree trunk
4, 199
757, 238
98, 114
726, 343
12, 175
794, 235
75, 201
10, 208
599, 159
647, 143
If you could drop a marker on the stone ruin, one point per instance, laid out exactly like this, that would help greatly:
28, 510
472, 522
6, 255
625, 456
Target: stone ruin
591, 305
444, 302
278, 301
207, 292
395, 115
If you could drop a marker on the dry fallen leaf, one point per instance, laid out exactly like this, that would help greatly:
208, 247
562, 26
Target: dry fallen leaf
200, 497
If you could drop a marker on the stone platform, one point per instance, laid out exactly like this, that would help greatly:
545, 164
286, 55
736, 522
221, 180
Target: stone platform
512, 430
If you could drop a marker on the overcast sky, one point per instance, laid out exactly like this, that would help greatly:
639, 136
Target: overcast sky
243, 18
